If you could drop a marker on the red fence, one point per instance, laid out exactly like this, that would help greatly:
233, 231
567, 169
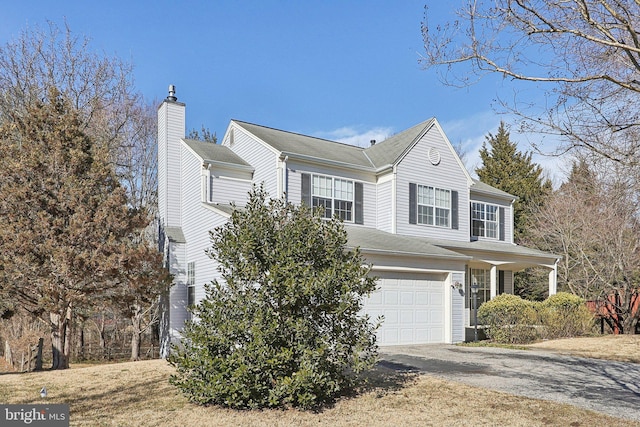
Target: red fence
609, 309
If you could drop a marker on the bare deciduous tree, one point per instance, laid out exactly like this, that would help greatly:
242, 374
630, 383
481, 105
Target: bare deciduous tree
99, 88
591, 221
584, 54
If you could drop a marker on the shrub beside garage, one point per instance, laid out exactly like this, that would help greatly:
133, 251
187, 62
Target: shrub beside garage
509, 319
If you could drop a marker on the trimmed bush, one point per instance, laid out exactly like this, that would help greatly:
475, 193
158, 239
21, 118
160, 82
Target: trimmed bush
509, 319
564, 315
285, 327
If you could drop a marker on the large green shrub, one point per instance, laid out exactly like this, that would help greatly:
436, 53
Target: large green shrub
564, 315
508, 319
284, 329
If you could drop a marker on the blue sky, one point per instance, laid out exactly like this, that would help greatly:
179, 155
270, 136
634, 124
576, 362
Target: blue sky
342, 70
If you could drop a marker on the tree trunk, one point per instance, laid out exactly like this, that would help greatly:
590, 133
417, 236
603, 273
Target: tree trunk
59, 341
80, 342
136, 335
8, 357
103, 341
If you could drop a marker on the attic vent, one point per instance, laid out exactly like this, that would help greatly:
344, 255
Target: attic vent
373, 142
434, 156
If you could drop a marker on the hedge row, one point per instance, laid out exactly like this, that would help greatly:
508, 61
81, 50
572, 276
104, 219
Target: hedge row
509, 319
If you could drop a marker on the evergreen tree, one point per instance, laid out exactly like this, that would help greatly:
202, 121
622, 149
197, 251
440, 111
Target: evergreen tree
65, 223
508, 169
284, 329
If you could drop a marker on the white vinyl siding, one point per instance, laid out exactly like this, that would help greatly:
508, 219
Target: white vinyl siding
385, 206
178, 292
258, 155
199, 222
448, 175
225, 190
370, 202
457, 309
508, 282
171, 125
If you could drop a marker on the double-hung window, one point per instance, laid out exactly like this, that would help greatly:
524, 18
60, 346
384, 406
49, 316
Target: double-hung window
434, 206
484, 220
191, 284
334, 196
207, 185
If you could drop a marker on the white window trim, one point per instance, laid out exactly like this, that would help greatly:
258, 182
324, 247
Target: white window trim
485, 220
434, 206
333, 196
206, 188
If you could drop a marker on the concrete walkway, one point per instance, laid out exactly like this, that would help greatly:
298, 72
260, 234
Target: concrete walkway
609, 387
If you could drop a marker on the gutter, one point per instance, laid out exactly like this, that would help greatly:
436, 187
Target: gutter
416, 254
244, 168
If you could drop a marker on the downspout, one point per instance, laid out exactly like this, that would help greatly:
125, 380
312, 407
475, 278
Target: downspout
513, 223
394, 193
285, 181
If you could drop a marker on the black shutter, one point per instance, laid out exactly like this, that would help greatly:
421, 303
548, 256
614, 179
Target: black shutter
501, 213
454, 210
359, 214
413, 203
306, 189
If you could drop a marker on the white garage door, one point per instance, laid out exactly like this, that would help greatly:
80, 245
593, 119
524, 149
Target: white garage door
413, 310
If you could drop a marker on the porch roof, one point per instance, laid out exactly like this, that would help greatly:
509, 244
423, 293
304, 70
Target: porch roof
373, 240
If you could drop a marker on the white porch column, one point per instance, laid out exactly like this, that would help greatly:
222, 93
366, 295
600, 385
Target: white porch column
493, 273
553, 279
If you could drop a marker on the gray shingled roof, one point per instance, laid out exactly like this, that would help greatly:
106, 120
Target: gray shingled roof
481, 187
294, 143
382, 154
379, 155
175, 234
389, 151
373, 240
224, 207
214, 152
496, 247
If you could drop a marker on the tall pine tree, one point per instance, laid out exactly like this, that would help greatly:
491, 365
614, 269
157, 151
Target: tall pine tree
508, 169
65, 225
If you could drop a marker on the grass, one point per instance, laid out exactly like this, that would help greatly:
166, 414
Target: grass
622, 348
486, 343
138, 394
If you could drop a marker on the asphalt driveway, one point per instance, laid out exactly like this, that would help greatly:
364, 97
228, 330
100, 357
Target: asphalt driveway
609, 387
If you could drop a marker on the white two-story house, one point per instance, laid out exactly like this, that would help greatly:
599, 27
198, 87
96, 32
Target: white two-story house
428, 228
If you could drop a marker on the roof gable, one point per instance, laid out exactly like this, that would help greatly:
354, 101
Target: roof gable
389, 151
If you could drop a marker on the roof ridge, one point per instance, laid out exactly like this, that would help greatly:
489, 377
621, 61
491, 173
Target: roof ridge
300, 134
